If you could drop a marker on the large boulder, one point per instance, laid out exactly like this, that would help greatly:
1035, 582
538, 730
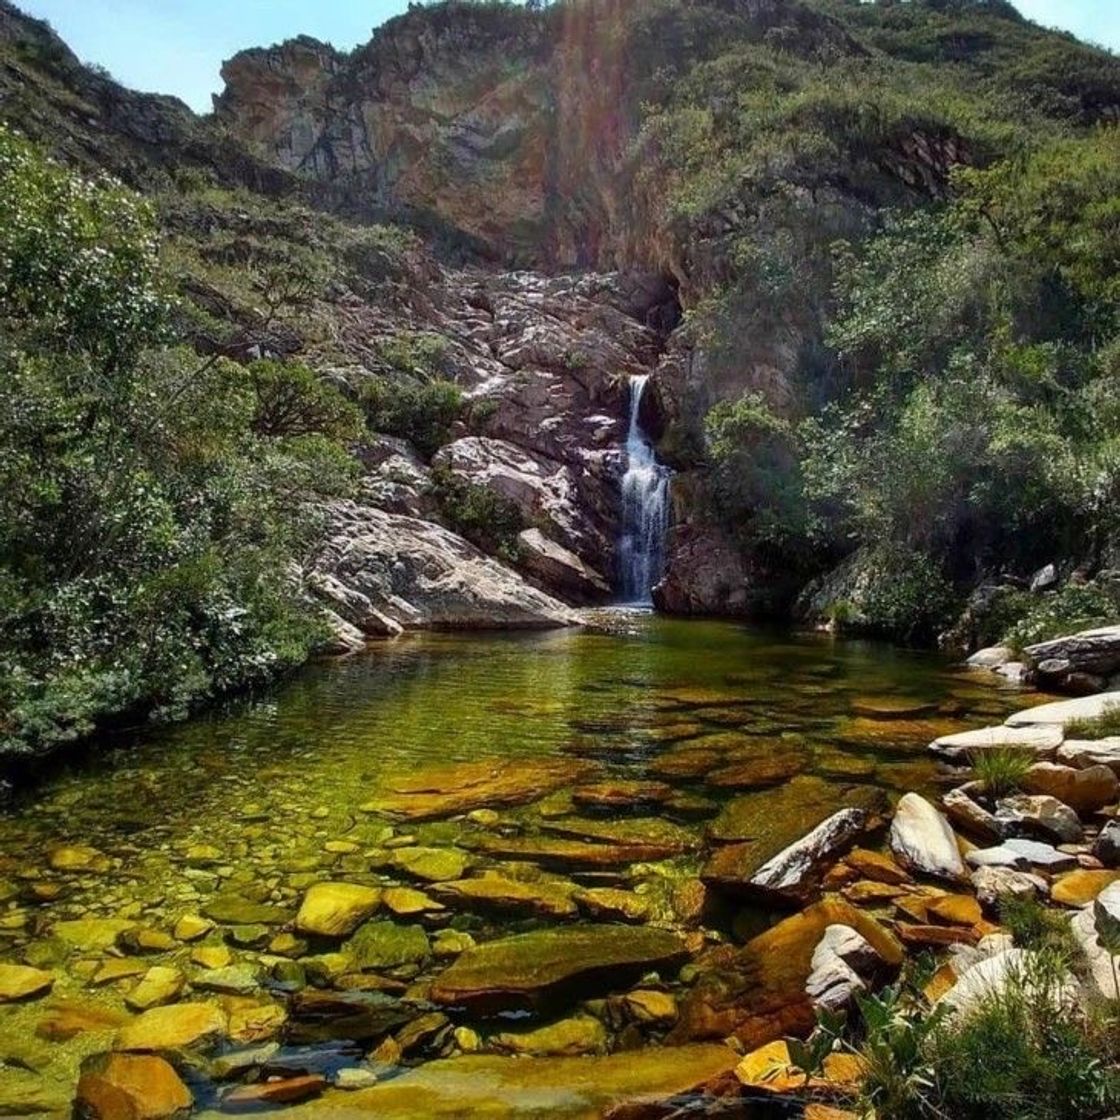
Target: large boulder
1039, 742
555, 567
922, 840
1039, 816
1083, 753
419, 574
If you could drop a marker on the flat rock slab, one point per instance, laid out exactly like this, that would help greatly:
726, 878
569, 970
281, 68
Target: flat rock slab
1042, 742
557, 852
546, 900
18, 982
513, 1088
1083, 753
532, 969
892, 707
1062, 712
446, 791
178, 1027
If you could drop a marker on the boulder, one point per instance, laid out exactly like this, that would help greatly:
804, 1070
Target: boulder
530, 969
989, 977
1042, 742
421, 575
131, 1087
1039, 816
992, 657
705, 574
923, 842
336, 909
967, 814
1085, 791
1061, 712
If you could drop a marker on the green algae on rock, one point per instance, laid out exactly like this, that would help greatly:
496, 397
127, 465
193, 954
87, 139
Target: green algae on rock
530, 970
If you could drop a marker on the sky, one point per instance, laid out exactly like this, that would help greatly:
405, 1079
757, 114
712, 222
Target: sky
177, 46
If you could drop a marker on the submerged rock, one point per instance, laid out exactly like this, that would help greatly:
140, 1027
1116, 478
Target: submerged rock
532, 969
336, 909
543, 899
432, 865
445, 791
131, 1087
387, 945
18, 982
567, 1038
180, 1026
516, 1088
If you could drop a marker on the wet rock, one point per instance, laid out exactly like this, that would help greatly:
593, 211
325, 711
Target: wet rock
1064, 711
405, 902
843, 965
1039, 816
424, 1033
212, 956
514, 1087
265, 1094
632, 796
432, 865
387, 945
18, 982
1041, 742
110, 971
238, 979
320, 1016
131, 1087
91, 935
78, 858
649, 1006
642, 832
992, 884
180, 1026
876, 866
248, 937
757, 773
143, 941
608, 904
567, 1038
191, 927
233, 910
1085, 791
531, 969
565, 855
445, 791
892, 708
159, 985
758, 992
1079, 888
923, 842
336, 909
542, 899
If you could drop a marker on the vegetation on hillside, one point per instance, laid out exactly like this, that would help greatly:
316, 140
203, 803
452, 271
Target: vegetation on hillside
154, 504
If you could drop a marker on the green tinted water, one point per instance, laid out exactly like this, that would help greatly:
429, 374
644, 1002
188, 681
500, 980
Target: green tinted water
266, 797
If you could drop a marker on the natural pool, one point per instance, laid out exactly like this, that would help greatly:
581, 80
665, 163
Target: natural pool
586, 777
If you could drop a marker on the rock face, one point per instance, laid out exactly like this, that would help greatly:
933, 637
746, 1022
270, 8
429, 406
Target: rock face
420, 574
922, 840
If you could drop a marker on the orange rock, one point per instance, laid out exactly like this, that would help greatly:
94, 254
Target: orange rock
1081, 887
131, 1087
771, 1068
943, 979
66, 1019
877, 866
933, 937
867, 893
289, 1090
955, 910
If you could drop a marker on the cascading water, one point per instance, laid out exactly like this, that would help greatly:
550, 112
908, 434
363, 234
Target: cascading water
645, 508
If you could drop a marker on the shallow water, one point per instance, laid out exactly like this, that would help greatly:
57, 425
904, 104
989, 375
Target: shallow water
266, 797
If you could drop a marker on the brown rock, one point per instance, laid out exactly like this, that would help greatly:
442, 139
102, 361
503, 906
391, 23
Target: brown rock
67, 1019
1085, 791
955, 910
876, 866
177, 1027
1078, 888
287, 1090
935, 937
131, 1087
621, 795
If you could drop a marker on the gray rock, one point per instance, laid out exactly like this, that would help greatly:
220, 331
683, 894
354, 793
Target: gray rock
1095, 653
1106, 914
1042, 855
967, 814
1045, 578
1107, 846
1039, 816
843, 964
1001, 856
992, 884
1039, 742
991, 658
1061, 712
1083, 753
1102, 968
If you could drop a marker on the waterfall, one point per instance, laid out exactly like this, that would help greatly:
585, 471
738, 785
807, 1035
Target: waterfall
645, 508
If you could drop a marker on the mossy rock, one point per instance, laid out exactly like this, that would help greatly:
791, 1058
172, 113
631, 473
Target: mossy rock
387, 945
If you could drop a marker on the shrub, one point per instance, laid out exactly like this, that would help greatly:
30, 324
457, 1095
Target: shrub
1104, 726
1071, 609
487, 519
420, 412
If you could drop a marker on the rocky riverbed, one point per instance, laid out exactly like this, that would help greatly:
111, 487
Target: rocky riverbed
518, 875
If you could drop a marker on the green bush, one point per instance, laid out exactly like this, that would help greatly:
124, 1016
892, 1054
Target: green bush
488, 520
1001, 770
422, 412
1074, 607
